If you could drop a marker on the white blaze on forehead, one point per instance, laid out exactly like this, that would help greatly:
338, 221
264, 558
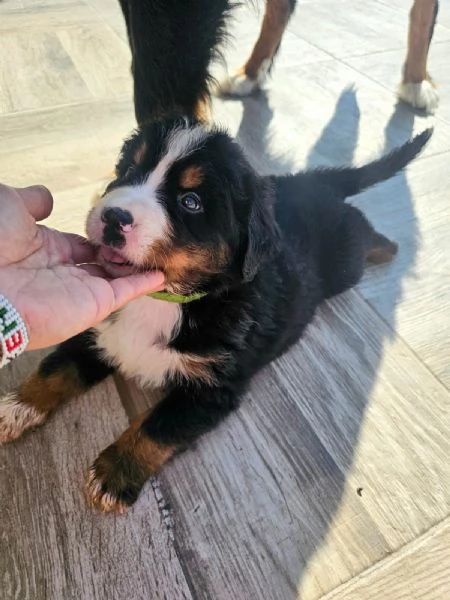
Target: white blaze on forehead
180, 143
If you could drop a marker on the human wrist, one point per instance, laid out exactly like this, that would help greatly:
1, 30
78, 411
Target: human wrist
13, 332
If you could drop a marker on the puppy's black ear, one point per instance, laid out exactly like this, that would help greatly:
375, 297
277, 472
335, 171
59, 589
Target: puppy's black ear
263, 232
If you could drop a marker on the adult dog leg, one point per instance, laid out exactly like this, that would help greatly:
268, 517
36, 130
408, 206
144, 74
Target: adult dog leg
249, 77
417, 87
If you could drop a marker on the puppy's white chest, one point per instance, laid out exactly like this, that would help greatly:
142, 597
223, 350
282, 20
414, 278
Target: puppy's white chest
135, 340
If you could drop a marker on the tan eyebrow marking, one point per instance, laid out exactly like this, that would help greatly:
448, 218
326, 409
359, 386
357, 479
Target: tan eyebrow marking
192, 177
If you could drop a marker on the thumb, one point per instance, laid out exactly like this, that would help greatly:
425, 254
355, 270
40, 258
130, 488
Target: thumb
128, 288
38, 200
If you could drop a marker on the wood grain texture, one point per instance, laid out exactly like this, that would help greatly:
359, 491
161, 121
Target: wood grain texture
109, 12
35, 129
43, 16
62, 63
275, 494
419, 570
42, 73
355, 29
53, 545
67, 148
100, 58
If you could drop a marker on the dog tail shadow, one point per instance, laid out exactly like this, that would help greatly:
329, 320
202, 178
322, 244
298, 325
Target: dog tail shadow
350, 181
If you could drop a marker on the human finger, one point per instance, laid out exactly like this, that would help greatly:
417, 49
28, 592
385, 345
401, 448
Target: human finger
128, 288
82, 251
38, 200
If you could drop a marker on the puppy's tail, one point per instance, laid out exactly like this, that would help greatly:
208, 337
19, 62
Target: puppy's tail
353, 180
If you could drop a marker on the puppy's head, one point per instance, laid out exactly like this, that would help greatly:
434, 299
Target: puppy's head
185, 202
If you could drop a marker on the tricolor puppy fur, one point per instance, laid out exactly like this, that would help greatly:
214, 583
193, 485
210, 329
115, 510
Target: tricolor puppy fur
260, 253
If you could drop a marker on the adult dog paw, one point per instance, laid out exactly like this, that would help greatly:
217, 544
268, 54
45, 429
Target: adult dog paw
421, 95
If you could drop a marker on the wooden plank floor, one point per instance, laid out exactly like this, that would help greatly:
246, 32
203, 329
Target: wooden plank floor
331, 482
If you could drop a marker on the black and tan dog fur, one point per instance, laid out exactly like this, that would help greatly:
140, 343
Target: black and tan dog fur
173, 44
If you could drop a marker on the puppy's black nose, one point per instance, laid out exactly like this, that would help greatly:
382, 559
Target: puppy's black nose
117, 217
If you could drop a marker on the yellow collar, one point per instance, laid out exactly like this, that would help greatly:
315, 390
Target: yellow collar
177, 298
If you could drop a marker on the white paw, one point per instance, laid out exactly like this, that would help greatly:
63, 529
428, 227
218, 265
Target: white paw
239, 84
420, 95
16, 417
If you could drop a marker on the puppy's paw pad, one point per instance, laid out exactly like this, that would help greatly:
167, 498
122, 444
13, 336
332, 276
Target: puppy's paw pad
421, 95
238, 84
114, 481
16, 417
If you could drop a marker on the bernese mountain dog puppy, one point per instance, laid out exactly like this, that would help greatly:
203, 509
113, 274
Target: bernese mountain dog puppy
173, 44
247, 260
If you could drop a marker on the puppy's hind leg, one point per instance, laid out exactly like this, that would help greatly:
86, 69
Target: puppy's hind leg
348, 247
382, 251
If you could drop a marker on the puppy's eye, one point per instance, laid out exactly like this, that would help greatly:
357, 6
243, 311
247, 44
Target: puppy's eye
190, 201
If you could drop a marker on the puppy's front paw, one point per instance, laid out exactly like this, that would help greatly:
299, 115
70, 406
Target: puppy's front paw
114, 481
421, 95
16, 417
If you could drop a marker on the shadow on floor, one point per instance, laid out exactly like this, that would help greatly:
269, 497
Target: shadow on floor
254, 134
398, 129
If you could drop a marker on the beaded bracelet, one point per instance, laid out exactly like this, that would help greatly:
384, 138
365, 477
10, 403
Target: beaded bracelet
13, 333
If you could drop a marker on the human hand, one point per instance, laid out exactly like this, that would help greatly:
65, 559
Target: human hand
39, 274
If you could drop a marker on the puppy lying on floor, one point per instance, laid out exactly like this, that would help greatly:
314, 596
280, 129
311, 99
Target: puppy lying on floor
247, 260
